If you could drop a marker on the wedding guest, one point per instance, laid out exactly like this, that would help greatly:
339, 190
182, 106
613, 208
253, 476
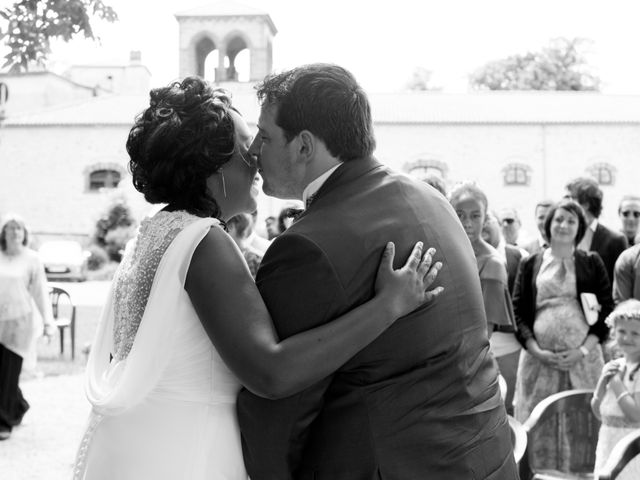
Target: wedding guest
540, 242
271, 224
24, 312
512, 255
239, 227
257, 242
436, 182
285, 218
510, 223
470, 204
562, 351
626, 275
629, 213
616, 399
597, 238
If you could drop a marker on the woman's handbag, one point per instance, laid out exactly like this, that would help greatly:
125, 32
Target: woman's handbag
590, 307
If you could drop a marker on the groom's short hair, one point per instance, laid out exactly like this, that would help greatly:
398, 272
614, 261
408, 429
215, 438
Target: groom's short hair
327, 101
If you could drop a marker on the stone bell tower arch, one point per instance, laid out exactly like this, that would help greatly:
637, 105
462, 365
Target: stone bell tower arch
229, 28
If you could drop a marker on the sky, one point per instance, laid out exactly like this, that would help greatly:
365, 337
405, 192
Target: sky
382, 43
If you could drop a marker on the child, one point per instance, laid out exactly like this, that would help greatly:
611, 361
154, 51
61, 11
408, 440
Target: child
616, 400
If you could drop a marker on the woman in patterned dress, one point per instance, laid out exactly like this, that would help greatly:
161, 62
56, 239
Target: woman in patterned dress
562, 351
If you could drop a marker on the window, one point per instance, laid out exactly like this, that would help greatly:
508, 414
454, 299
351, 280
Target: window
517, 174
422, 169
604, 173
103, 179
103, 176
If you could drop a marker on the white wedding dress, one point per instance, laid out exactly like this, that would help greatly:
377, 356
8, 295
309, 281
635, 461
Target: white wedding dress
164, 407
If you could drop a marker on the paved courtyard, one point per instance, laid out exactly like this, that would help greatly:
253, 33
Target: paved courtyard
43, 447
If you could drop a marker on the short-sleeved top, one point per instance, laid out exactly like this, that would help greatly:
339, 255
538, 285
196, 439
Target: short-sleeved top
495, 290
497, 302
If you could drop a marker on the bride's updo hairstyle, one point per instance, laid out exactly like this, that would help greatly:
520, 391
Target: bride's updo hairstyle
183, 137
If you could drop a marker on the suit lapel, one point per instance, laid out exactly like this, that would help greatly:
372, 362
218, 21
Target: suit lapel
347, 172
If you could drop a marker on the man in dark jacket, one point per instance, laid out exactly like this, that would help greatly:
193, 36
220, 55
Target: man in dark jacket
421, 401
605, 242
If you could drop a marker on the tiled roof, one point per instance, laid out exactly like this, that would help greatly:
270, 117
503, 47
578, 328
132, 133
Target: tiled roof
116, 110
387, 108
504, 107
102, 110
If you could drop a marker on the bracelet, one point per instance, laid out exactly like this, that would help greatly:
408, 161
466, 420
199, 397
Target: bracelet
622, 395
584, 350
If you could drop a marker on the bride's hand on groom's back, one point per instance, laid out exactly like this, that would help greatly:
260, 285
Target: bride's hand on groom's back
406, 289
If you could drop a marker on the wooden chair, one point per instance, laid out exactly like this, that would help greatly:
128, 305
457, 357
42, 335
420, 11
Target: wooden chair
64, 316
518, 438
572, 418
624, 451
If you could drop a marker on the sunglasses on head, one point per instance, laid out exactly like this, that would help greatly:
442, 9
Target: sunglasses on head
627, 213
508, 220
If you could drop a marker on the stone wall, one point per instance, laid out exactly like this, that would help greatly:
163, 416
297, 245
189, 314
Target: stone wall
44, 169
44, 176
554, 153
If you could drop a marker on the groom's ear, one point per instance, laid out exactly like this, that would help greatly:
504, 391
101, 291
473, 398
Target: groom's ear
307, 145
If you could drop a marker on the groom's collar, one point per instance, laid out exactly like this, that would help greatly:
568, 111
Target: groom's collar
311, 189
347, 172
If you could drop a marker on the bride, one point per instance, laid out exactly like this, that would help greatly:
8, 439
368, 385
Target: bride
164, 373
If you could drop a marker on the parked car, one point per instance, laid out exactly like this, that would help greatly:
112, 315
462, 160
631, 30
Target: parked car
63, 260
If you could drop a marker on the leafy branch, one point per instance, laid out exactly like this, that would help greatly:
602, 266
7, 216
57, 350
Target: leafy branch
29, 25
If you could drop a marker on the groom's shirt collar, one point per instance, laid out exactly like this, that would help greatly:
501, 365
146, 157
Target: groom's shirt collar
315, 185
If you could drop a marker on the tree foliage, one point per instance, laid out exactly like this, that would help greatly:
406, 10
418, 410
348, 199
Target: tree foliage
559, 66
114, 229
28, 26
421, 80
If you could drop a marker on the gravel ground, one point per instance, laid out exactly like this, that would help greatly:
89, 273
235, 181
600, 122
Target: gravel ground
44, 446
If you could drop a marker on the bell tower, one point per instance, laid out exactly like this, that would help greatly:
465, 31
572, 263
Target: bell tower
231, 29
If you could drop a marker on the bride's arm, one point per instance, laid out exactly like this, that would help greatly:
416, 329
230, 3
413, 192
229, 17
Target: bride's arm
238, 323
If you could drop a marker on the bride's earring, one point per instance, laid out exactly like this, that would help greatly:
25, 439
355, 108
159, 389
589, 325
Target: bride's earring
224, 186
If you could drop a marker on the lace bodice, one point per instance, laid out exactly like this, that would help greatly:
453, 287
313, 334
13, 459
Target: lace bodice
136, 273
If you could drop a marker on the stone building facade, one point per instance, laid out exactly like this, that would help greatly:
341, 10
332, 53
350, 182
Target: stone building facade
63, 158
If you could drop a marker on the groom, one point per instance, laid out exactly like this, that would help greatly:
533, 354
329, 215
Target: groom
421, 401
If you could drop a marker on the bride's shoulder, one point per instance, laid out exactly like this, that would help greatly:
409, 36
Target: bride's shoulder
217, 249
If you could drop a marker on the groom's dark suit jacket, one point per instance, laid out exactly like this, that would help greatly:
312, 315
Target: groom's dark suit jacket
422, 400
